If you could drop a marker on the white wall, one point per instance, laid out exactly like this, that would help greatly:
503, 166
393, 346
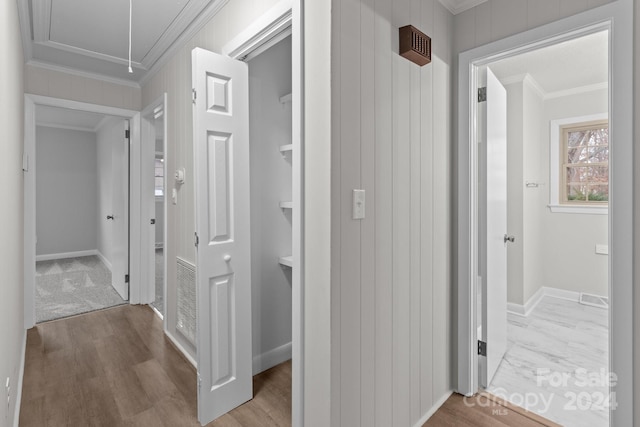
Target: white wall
636, 222
175, 79
12, 333
66, 191
271, 174
391, 273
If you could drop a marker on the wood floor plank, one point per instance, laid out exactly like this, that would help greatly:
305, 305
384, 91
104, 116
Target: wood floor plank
116, 368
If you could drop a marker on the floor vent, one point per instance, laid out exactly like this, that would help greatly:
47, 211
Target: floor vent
186, 318
594, 300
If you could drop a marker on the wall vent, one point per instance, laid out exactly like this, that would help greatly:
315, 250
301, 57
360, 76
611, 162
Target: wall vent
415, 45
186, 318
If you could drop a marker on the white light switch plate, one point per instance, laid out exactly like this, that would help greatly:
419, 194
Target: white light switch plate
358, 204
602, 249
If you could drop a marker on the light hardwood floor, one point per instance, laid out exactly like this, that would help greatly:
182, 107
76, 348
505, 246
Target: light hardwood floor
115, 368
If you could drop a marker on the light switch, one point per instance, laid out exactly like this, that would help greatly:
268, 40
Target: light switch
602, 249
358, 204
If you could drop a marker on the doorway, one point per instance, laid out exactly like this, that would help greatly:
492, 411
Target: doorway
107, 220
607, 18
557, 170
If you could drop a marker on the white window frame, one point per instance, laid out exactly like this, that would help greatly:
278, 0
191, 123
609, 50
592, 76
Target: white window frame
554, 168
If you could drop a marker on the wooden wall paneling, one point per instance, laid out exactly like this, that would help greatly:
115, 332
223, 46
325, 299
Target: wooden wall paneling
542, 11
401, 222
383, 77
415, 219
483, 24
367, 225
350, 234
509, 14
336, 215
441, 199
427, 162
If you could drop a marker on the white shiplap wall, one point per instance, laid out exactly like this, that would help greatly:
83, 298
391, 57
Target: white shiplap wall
175, 79
636, 225
58, 84
391, 272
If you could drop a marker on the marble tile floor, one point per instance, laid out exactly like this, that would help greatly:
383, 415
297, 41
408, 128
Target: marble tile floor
556, 363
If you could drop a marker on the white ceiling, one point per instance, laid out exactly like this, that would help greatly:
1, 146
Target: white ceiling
459, 6
577, 63
68, 119
92, 36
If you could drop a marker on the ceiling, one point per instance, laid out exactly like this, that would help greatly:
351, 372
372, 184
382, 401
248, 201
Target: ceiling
459, 6
68, 119
92, 36
577, 63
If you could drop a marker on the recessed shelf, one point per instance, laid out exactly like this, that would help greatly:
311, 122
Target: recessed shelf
286, 205
285, 148
285, 98
286, 261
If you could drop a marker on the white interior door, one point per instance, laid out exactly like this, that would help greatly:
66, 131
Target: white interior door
120, 210
223, 264
495, 270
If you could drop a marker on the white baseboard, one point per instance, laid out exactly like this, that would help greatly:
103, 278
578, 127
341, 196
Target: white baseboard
104, 260
433, 409
271, 358
545, 291
18, 402
181, 349
64, 255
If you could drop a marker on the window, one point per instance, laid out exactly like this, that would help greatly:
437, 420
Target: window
579, 165
159, 177
585, 168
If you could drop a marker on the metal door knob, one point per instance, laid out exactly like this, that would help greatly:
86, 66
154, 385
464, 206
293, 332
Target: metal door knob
509, 239
227, 258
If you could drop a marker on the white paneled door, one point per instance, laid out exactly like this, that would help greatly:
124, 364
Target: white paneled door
495, 280
223, 264
120, 209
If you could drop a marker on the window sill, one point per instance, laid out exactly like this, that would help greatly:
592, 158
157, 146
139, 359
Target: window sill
579, 209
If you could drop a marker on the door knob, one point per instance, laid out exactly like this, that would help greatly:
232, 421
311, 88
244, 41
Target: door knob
509, 239
110, 217
227, 258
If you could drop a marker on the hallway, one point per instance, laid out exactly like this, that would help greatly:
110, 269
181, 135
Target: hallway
115, 368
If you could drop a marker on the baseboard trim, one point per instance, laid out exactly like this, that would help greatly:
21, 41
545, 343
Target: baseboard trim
271, 358
181, 349
104, 260
18, 402
545, 291
433, 409
64, 255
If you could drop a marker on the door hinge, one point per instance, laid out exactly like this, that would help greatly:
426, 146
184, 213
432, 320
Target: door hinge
482, 348
194, 95
482, 94
126, 278
127, 133
197, 239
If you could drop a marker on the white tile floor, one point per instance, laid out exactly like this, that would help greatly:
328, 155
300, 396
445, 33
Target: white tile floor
556, 363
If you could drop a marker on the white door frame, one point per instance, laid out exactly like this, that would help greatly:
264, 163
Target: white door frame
29, 161
284, 19
147, 284
617, 17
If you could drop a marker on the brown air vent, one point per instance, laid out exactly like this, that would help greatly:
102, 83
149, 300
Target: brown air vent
415, 45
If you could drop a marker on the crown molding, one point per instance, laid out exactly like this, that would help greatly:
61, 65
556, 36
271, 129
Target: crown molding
459, 6
577, 90
79, 73
198, 23
65, 127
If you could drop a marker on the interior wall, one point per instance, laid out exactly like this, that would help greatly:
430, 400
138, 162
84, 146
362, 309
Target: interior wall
12, 333
271, 180
175, 79
59, 84
636, 222
66, 191
391, 273
567, 241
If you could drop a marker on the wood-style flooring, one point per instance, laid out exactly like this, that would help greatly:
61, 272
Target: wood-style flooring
484, 410
116, 368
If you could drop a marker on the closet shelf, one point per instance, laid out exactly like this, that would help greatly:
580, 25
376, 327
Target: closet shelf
286, 261
286, 205
285, 98
285, 148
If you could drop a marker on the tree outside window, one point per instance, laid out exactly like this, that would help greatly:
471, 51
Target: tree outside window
585, 163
